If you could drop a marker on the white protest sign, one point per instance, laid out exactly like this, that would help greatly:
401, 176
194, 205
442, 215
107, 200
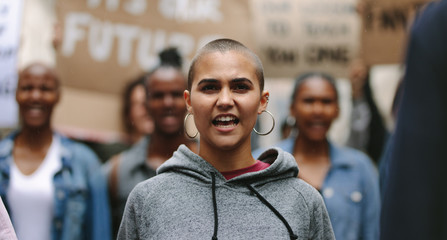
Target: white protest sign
10, 20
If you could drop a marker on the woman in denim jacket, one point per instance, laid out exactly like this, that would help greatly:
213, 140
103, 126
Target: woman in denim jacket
346, 178
52, 187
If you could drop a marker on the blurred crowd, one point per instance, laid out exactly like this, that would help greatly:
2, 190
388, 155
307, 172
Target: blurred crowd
381, 183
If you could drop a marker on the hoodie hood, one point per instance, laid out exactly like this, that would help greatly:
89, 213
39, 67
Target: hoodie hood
268, 204
282, 165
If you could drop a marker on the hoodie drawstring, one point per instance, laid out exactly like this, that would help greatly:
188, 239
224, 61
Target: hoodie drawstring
259, 196
265, 202
216, 223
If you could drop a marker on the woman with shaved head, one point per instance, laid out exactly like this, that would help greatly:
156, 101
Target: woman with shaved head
222, 192
51, 185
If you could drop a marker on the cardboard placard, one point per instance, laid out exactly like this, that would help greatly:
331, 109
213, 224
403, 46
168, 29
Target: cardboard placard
293, 36
385, 27
107, 42
89, 115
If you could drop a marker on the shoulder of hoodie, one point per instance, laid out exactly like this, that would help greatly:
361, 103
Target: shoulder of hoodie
309, 194
154, 188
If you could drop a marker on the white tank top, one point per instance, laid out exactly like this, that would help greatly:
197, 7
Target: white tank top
31, 197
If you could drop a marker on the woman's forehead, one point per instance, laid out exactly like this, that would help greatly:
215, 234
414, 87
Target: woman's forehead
229, 54
316, 85
38, 71
225, 63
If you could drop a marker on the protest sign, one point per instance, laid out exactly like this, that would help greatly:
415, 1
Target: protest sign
106, 42
10, 22
292, 36
385, 26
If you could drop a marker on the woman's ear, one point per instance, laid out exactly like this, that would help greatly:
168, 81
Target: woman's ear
187, 96
292, 109
264, 101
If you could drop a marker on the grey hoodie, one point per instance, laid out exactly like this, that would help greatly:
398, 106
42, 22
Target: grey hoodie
190, 199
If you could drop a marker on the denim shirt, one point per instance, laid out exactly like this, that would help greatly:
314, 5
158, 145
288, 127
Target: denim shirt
81, 207
350, 191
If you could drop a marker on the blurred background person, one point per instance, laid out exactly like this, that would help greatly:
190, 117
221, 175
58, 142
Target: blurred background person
367, 131
136, 120
288, 127
414, 202
346, 178
52, 186
165, 104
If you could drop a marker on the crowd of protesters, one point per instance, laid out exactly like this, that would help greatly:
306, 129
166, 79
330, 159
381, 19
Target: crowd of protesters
173, 181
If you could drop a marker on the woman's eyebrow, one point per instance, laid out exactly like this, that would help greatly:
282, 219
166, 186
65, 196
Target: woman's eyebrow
238, 80
235, 80
207, 80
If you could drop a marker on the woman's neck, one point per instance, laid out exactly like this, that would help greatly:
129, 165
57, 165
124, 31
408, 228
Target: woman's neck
134, 137
30, 148
225, 160
313, 160
35, 138
311, 150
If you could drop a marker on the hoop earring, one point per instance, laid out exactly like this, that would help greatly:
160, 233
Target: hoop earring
290, 121
271, 129
184, 127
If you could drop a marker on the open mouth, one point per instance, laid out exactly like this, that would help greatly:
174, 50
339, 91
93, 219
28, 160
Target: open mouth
225, 121
318, 125
35, 109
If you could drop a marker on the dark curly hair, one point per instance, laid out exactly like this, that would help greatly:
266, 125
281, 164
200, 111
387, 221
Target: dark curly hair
127, 94
169, 57
302, 78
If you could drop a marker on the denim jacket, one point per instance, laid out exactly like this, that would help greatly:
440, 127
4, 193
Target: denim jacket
81, 207
350, 191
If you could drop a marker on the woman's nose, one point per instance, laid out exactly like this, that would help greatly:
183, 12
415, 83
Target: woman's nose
168, 100
318, 108
225, 98
36, 93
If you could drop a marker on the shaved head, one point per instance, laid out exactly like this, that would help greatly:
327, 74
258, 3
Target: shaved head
39, 69
226, 45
